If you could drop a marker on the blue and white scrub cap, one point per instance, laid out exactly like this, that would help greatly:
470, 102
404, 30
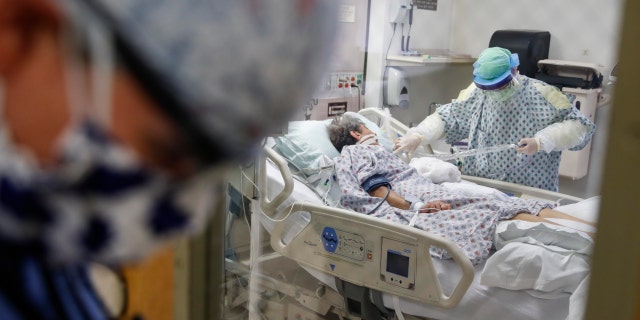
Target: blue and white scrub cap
227, 72
493, 68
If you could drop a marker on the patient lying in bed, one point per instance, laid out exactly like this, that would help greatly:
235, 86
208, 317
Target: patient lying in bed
374, 181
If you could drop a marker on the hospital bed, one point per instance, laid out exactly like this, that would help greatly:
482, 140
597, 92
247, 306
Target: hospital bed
360, 267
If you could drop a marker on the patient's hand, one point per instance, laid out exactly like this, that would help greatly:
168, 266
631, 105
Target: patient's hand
435, 206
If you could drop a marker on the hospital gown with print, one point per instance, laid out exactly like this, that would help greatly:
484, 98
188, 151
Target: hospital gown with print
485, 122
470, 223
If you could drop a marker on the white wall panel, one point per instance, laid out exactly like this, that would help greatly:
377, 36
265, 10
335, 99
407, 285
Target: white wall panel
585, 30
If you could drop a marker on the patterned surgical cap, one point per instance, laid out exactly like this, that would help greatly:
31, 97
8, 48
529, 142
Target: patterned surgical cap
229, 72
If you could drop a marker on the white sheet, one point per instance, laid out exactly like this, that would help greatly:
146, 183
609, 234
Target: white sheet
547, 273
436, 170
480, 301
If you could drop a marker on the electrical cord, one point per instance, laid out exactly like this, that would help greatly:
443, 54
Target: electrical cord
356, 86
410, 23
386, 54
381, 202
408, 37
402, 39
244, 212
417, 213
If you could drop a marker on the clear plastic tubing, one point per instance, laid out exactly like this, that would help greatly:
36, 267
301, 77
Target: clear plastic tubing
471, 152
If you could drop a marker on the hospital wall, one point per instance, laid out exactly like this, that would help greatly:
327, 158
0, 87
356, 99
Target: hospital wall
583, 31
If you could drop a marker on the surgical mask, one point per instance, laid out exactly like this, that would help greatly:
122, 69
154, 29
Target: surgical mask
97, 192
505, 93
368, 139
98, 201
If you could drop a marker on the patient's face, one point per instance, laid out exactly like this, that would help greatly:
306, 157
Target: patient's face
365, 134
364, 130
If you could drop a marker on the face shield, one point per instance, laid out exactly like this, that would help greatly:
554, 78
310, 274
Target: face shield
506, 92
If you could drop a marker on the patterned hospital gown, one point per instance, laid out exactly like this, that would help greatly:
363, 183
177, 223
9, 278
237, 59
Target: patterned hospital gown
470, 223
485, 123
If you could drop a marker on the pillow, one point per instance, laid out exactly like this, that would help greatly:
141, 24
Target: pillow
307, 146
523, 266
310, 135
303, 157
547, 258
586, 209
307, 140
309, 151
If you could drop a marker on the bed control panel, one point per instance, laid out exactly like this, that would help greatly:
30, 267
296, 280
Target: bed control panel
371, 252
398, 263
343, 243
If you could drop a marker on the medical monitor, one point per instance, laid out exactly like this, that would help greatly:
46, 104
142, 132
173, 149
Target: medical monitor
398, 263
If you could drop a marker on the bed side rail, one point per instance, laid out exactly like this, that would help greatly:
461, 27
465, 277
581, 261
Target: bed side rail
376, 115
269, 206
360, 249
372, 252
524, 191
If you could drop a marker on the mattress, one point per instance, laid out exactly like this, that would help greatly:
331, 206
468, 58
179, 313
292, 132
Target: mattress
479, 302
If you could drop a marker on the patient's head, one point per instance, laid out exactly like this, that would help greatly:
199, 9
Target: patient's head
347, 130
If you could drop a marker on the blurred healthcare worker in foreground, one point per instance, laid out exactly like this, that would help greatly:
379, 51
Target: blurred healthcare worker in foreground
118, 120
504, 107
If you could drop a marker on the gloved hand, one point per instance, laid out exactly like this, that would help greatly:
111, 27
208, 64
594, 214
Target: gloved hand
408, 143
529, 146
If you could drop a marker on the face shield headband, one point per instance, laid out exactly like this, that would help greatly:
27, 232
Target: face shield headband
496, 85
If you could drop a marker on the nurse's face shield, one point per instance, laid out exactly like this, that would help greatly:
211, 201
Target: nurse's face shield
506, 91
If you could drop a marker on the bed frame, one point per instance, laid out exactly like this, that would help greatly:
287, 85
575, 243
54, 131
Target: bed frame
366, 255
362, 250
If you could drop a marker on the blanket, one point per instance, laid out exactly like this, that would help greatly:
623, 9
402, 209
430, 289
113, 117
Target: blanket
470, 223
546, 260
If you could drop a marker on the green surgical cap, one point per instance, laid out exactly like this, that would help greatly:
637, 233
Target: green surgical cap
492, 70
492, 63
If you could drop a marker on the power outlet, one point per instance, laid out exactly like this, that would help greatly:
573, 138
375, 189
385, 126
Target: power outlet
345, 80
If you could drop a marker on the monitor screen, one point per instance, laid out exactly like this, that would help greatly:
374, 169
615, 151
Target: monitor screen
397, 264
